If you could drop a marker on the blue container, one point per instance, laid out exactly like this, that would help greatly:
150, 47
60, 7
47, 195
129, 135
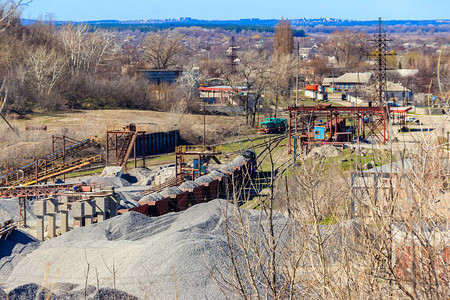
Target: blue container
195, 165
319, 133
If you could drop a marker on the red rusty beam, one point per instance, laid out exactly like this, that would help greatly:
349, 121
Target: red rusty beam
37, 190
374, 109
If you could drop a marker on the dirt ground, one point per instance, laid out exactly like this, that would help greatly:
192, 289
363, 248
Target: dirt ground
27, 144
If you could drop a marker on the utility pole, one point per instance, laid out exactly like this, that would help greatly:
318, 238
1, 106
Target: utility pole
204, 124
298, 70
379, 54
232, 54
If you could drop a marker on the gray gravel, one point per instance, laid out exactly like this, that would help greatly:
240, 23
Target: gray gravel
216, 174
171, 191
204, 179
11, 207
152, 197
147, 253
323, 152
238, 161
189, 185
107, 181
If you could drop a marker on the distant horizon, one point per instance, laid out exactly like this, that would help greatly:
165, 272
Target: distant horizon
357, 10
241, 19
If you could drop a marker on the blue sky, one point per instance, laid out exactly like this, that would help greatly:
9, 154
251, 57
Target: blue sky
83, 10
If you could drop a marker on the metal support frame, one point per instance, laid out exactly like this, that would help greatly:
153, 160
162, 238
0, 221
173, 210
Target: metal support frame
202, 153
22, 212
378, 118
122, 142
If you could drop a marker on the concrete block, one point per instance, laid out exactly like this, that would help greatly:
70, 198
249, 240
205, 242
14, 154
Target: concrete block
40, 227
89, 211
101, 207
51, 206
64, 216
39, 208
63, 207
89, 208
51, 226
78, 209
113, 206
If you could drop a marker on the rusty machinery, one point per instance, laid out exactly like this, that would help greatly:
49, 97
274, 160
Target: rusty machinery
122, 142
50, 165
201, 157
325, 124
24, 181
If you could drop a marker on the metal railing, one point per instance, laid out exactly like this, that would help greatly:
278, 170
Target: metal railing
198, 149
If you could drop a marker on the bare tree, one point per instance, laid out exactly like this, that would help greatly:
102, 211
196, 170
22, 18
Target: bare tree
86, 50
348, 47
283, 39
10, 11
248, 81
281, 73
161, 50
47, 66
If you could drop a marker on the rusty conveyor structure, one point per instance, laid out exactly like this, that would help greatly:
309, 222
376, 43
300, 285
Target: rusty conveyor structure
122, 143
49, 166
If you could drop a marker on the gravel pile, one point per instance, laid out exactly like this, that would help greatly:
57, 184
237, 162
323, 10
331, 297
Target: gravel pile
127, 204
115, 182
189, 185
216, 174
149, 254
325, 151
227, 168
204, 179
112, 171
11, 207
238, 161
171, 191
152, 197
164, 174
142, 176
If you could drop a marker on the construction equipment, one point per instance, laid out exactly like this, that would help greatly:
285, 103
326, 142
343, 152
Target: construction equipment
202, 155
273, 125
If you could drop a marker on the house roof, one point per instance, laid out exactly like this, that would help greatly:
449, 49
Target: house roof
399, 110
327, 81
222, 88
395, 167
354, 78
396, 87
403, 72
304, 51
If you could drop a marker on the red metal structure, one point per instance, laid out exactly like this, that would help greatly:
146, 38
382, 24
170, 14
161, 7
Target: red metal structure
364, 122
122, 142
50, 165
202, 154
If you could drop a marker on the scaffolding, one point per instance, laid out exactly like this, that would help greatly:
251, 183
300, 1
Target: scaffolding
122, 143
201, 155
340, 124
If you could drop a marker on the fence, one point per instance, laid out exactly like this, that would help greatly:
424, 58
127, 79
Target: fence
157, 143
